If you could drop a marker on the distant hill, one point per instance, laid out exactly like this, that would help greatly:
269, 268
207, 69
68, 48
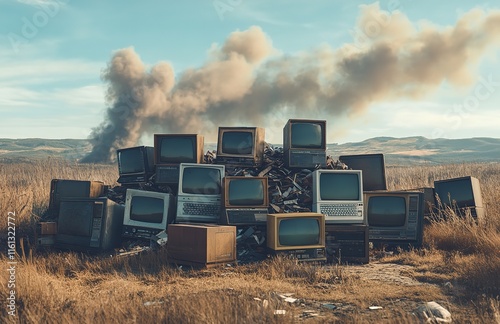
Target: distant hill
406, 150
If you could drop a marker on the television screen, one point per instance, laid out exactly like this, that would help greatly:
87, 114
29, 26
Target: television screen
75, 218
307, 135
201, 181
373, 167
339, 186
458, 191
177, 149
237, 142
147, 209
131, 161
246, 192
299, 231
387, 211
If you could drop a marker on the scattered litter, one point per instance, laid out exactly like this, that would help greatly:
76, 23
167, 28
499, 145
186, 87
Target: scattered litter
375, 307
153, 303
432, 312
329, 306
162, 238
280, 312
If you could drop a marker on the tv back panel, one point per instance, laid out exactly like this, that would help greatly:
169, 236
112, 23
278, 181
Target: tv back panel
89, 224
347, 243
135, 164
462, 194
201, 245
147, 213
304, 143
246, 200
395, 217
373, 167
338, 194
62, 188
297, 235
199, 193
240, 146
173, 149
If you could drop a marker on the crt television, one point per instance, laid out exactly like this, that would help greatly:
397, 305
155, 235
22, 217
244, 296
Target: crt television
304, 143
373, 167
199, 193
240, 146
461, 194
89, 224
135, 164
339, 195
173, 149
347, 243
245, 199
395, 217
147, 213
201, 245
63, 188
299, 235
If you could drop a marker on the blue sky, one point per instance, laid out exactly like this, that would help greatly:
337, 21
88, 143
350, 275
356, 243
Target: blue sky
52, 54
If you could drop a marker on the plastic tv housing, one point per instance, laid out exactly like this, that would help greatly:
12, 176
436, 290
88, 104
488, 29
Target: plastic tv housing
304, 143
463, 195
339, 195
373, 167
172, 150
199, 193
89, 224
240, 146
297, 235
135, 164
147, 213
62, 188
395, 218
245, 199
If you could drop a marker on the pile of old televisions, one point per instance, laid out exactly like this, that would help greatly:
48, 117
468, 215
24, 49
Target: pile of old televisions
207, 211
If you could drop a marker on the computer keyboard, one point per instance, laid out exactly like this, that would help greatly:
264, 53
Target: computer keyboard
201, 209
340, 210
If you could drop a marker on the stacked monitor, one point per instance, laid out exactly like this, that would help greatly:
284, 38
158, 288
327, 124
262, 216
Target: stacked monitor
199, 193
462, 195
240, 146
170, 150
299, 235
147, 213
245, 199
135, 164
304, 143
373, 167
64, 188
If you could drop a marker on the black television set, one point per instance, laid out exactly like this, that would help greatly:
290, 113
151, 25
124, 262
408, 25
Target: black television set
304, 143
373, 167
135, 164
462, 195
173, 149
65, 188
245, 199
395, 218
89, 224
240, 146
347, 243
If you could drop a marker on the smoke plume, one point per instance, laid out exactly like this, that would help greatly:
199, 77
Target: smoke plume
247, 82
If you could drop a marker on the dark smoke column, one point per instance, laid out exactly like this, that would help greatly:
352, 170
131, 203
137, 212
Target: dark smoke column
134, 96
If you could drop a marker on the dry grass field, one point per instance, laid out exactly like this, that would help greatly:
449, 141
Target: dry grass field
458, 267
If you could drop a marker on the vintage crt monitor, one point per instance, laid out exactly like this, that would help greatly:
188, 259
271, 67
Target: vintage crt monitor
89, 224
299, 235
62, 188
202, 245
395, 217
347, 243
147, 213
339, 195
199, 193
461, 194
373, 167
172, 150
240, 146
135, 164
304, 143
245, 199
